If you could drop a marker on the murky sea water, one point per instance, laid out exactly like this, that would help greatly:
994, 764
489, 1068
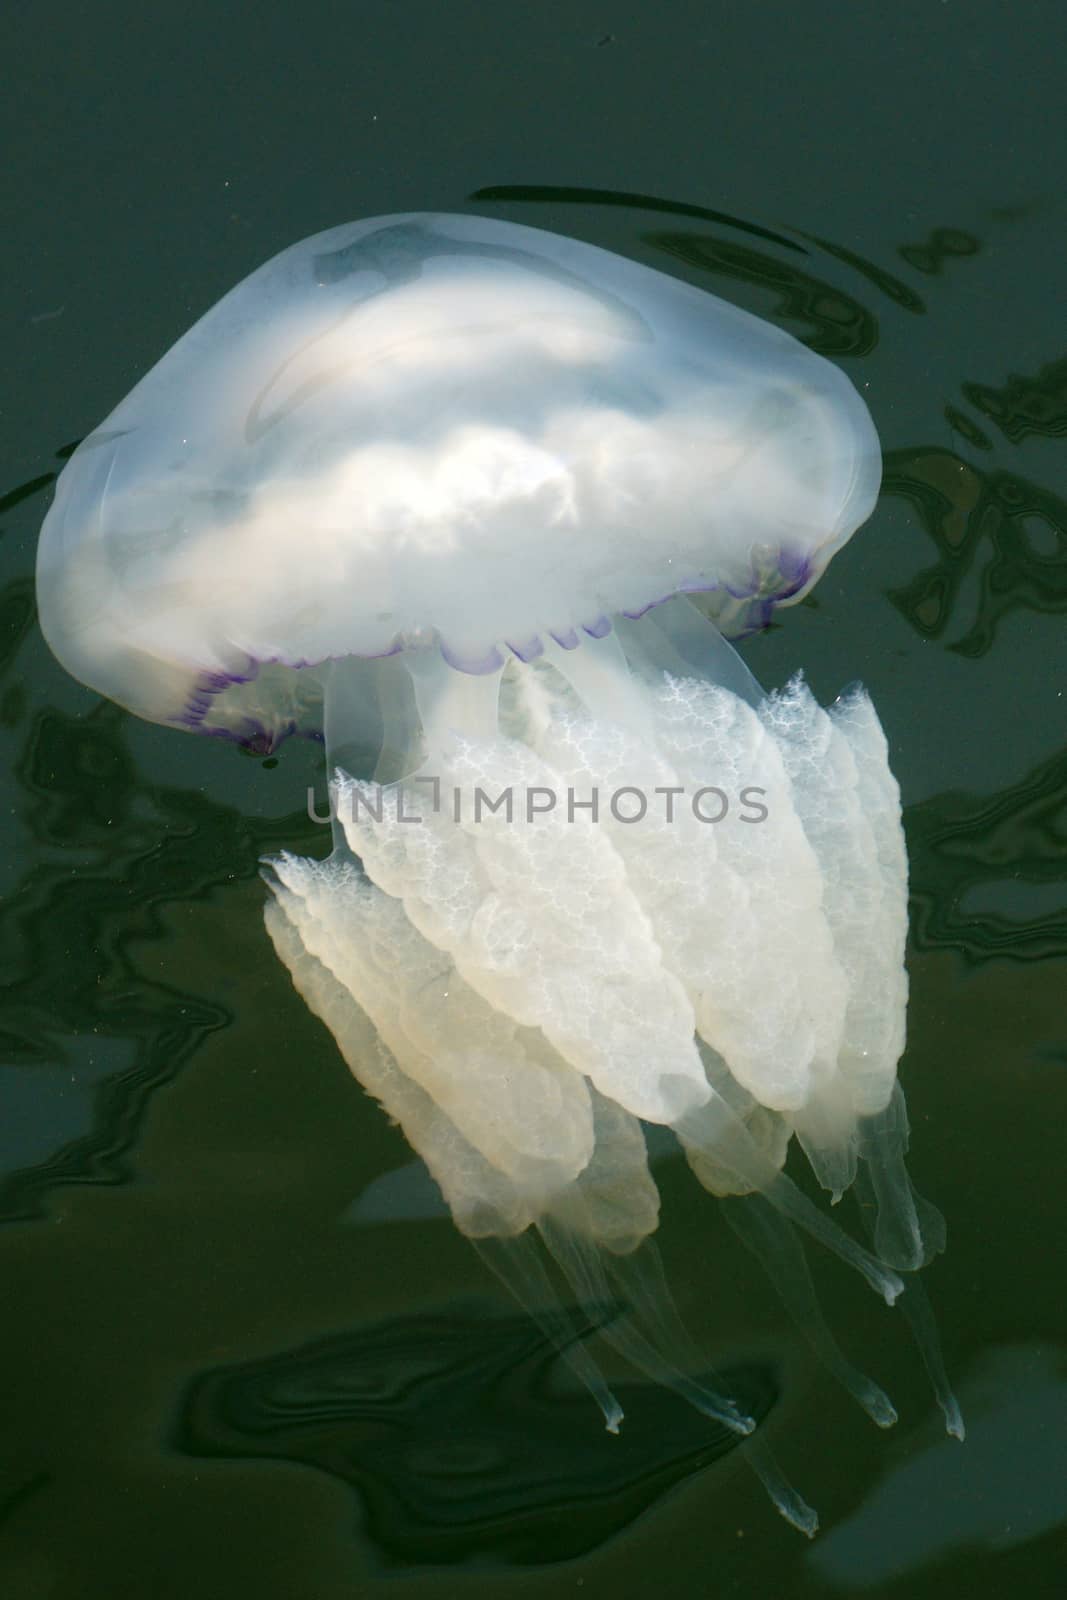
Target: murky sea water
242, 1351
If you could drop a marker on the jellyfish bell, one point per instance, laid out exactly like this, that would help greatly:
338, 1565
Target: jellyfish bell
439, 427
437, 489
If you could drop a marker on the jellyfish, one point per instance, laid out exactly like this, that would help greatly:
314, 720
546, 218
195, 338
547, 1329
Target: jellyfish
440, 490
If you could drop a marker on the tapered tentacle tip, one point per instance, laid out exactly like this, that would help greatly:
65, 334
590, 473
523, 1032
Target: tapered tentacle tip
880, 1408
802, 1516
611, 1410
787, 1502
954, 1424
784, 1497
719, 1408
906, 1251
891, 1287
934, 1234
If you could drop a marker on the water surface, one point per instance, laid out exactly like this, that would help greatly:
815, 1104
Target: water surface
243, 1353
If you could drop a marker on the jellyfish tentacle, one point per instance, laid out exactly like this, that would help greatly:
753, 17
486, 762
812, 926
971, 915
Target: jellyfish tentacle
923, 1324
908, 1230
919, 1314
715, 1131
599, 675
774, 1243
452, 703
640, 1278
677, 639
399, 754
784, 1497
785, 1197
351, 729
599, 1230
517, 1263
582, 1265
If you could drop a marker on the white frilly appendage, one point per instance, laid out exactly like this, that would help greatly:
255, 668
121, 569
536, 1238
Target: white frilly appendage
521, 987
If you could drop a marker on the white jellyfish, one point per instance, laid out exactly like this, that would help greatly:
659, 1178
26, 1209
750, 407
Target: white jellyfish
438, 488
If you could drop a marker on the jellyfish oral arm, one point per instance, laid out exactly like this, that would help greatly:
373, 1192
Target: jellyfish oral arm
533, 961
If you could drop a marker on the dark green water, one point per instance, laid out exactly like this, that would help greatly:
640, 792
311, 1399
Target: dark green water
240, 1353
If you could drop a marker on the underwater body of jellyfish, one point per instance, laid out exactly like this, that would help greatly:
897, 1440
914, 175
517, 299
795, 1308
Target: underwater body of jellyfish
436, 489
